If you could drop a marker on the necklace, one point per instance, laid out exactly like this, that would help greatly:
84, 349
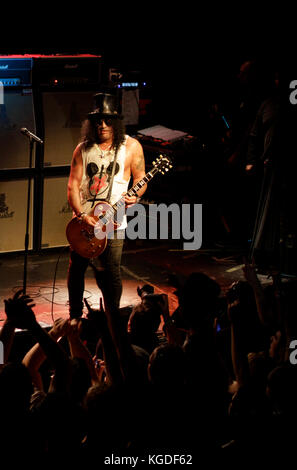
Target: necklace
104, 152
103, 148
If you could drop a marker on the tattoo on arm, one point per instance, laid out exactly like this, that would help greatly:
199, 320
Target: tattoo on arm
139, 164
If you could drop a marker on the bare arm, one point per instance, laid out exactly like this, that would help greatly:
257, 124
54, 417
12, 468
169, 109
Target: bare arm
138, 165
78, 349
99, 320
7, 337
75, 177
263, 308
19, 311
238, 354
74, 181
137, 169
173, 334
36, 356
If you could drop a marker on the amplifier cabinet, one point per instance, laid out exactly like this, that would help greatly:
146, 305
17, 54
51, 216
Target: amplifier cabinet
13, 213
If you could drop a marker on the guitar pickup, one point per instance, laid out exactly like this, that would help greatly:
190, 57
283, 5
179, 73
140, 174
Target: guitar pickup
87, 234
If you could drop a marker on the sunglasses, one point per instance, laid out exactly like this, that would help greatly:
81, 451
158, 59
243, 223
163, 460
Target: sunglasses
108, 122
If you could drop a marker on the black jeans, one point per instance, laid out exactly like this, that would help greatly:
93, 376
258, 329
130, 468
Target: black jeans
109, 279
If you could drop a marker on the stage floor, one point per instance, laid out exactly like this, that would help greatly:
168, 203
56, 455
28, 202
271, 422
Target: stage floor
142, 262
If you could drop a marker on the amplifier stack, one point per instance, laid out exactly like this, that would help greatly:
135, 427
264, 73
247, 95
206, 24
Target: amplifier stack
50, 95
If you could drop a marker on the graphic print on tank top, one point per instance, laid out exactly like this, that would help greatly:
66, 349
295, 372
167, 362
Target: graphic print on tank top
99, 180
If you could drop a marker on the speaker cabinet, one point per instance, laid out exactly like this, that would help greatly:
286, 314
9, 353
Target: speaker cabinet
13, 213
17, 111
56, 212
63, 112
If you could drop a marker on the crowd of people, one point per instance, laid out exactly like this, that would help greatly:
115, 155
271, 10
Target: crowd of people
211, 379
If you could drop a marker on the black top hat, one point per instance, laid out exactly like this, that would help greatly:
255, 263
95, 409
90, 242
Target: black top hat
106, 105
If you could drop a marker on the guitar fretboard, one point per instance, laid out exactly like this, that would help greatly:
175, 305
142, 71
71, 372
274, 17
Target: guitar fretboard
110, 213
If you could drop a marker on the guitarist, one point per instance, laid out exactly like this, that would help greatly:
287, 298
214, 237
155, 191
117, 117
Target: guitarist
93, 178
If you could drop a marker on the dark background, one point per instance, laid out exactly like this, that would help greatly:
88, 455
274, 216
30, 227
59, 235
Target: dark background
189, 53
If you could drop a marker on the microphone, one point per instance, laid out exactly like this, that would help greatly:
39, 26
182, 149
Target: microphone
25, 131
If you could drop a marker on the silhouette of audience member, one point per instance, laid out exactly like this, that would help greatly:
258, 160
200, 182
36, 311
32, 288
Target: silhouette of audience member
240, 190
271, 144
15, 393
144, 322
167, 366
198, 301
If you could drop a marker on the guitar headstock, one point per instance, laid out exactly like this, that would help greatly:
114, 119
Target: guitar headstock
162, 164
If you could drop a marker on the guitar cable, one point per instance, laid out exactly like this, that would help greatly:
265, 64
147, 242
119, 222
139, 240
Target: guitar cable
54, 290
54, 283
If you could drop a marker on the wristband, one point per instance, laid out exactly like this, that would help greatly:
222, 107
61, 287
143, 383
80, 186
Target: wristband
81, 215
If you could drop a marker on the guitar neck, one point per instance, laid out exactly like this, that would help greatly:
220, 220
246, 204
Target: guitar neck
134, 190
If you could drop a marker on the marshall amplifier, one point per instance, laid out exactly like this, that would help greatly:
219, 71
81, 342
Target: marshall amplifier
63, 113
60, 71
50, 70
56, 212
13, 211
16, 71
16, 110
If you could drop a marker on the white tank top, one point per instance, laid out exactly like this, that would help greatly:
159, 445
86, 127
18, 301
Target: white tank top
95, 183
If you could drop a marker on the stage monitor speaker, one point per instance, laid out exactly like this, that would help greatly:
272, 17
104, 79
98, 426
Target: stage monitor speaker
13, 213
56, 212
17, 111
64, 112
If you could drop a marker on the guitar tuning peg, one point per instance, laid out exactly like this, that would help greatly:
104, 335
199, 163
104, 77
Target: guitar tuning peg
154, 162
166, 169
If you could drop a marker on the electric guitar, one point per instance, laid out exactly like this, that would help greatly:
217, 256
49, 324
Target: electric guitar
90, 242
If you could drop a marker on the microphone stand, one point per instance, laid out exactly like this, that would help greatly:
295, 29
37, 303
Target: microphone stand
31, 142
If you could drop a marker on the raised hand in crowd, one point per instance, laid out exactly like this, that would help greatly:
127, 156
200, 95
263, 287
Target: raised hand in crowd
109, 353
60, 328
78, 349
97, 317
19, 310
263, 307
36, 356
238, 353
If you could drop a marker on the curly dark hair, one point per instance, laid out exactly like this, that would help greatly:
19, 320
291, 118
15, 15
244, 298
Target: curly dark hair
89, 134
